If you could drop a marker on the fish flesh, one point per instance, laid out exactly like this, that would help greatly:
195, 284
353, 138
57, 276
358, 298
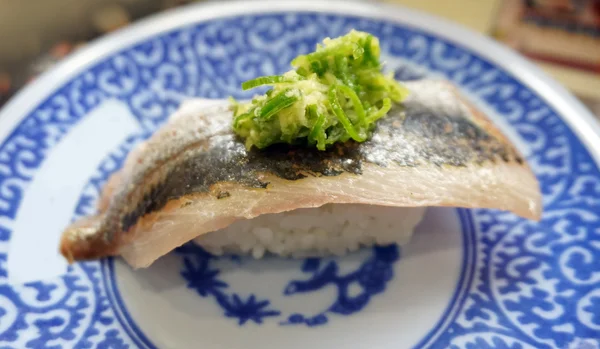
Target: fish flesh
194, 175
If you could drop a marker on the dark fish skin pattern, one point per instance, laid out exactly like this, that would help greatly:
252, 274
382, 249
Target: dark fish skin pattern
412, 135
197, 151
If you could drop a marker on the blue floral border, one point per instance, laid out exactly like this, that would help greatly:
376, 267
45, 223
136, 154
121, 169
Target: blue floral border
152, 77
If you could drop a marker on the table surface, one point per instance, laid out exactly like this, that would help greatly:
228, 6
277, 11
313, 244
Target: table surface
480, 16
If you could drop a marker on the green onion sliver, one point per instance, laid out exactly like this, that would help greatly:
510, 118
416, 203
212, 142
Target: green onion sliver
339, 112
387, 105
358, 108
242, 117
368, 55
341, 64
277, 103
302, 72
317, 133
267, 80
357, 52
261, 81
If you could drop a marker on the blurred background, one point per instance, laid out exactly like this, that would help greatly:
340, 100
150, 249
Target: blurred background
562, 36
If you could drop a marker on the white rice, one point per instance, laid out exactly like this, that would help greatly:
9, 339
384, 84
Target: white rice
334, 229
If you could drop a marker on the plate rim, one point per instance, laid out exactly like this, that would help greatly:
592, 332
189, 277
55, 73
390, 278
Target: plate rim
569, 109
65, 72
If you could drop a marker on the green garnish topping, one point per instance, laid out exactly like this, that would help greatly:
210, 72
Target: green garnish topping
334, 94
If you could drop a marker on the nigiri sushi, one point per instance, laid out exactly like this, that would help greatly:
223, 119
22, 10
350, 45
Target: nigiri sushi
195, 179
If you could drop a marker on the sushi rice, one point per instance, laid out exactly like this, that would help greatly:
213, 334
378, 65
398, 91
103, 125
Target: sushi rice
331, 229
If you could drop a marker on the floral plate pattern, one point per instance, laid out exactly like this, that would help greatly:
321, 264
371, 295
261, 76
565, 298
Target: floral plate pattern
513, 284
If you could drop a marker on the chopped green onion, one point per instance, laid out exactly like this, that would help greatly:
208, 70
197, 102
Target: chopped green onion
339, 112
387, 105
281, 101
302, 72
267, 80
358, 107
317, 134
368, 55
317, 67
358, 52
243, 117
334, 94
263, 80
342, 69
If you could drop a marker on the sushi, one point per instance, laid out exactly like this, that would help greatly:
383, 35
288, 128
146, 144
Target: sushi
335, 156
196, 179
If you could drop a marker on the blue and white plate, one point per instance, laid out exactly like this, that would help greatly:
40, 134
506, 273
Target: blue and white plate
468, 279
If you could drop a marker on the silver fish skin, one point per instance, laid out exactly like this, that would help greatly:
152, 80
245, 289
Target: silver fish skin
194, 176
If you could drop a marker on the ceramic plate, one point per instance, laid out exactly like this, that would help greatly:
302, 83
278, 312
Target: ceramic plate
468, 278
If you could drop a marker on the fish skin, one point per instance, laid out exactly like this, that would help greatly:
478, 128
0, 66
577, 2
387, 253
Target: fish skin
195, 176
